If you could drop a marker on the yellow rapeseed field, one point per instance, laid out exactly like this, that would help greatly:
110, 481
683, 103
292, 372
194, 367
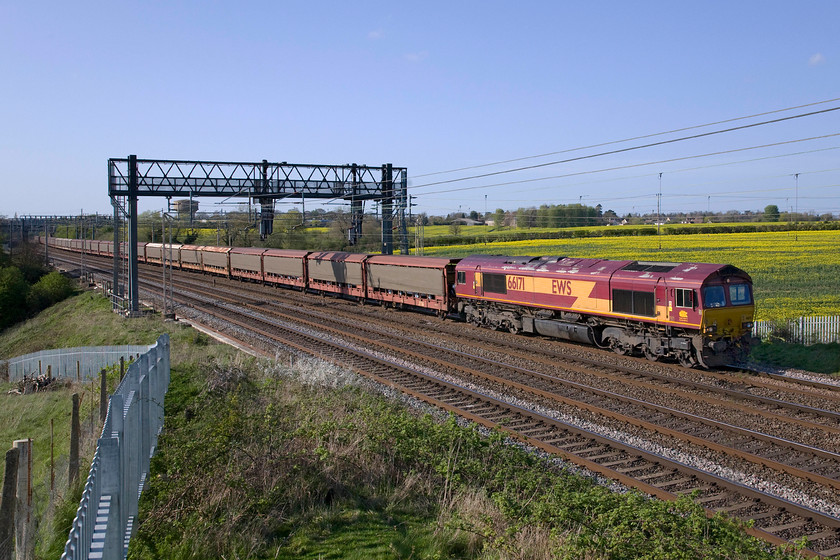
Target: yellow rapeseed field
795, 274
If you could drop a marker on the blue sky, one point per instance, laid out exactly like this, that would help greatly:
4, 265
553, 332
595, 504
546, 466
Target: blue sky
431, 86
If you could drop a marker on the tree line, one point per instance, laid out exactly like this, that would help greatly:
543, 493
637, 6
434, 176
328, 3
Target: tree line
26, 286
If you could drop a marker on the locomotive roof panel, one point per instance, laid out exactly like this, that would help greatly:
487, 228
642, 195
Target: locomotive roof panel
545, 264
691, 273
410, 260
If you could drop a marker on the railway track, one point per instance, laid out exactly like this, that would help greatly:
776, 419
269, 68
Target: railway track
452, 381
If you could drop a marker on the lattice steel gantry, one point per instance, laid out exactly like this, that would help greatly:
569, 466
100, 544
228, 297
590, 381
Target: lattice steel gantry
263, 182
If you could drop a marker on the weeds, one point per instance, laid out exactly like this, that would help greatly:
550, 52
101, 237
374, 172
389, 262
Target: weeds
261, 462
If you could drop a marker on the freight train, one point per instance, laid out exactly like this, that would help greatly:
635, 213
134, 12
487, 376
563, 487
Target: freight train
698, 314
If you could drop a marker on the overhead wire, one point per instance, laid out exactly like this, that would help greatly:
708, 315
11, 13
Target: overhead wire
631, 139
634, 165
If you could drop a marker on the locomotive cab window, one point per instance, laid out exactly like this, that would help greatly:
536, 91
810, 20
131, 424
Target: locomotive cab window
739, 294
685, 298
462, 277
714, 296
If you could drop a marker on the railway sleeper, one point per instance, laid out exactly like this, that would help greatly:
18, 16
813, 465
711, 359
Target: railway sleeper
736, 507
637, 468
712, 498
609, 455
655, 475
827, 534
676, 482
787, 526
764, 515
830, 553
625, 461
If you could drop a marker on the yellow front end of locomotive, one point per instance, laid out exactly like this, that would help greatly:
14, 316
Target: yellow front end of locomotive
728, 322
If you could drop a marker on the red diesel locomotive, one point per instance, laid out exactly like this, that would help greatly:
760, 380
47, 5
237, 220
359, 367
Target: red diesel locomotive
699, 314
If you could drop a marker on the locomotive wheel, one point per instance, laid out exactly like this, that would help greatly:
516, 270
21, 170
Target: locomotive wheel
617, 347
649, 353
512, 328
686, 359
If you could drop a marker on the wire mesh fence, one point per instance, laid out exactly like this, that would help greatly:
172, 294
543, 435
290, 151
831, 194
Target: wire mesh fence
105, 518
81, 363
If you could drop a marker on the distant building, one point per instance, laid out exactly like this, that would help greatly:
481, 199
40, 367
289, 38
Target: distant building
470, 222
186, 209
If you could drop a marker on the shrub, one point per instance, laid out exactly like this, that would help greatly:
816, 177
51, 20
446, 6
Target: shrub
13, 292
49, 290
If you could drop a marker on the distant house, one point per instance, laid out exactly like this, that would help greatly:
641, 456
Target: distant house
470, 222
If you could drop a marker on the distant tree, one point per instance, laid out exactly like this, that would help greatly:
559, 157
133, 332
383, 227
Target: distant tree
455, 228
771, 213
523, 218
499, 218
473, 215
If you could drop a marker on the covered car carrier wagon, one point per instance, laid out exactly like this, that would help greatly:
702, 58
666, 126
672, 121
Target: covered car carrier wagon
190, 257
286, 267
214, 259
246, 262
416, 281
337, 272
155, 253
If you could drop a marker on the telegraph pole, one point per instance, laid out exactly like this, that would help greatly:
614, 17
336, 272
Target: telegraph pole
659, 211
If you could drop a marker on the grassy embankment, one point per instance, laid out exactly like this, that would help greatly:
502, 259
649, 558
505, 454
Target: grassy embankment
795, 274
83, 320
261, 461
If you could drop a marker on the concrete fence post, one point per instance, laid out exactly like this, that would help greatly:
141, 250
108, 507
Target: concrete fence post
24, 514
103, 396
75, 435
7, 506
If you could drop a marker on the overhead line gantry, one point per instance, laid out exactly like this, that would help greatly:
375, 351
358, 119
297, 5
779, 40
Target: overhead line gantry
264, 182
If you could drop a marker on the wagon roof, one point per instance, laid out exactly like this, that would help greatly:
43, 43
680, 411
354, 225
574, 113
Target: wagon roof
337, 256
247, 250
214, 249
296, 253
191, 247
409, 260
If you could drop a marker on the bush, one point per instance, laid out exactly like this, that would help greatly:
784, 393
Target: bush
49, 290
13, 293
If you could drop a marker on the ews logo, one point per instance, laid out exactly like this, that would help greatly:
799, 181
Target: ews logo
561, 287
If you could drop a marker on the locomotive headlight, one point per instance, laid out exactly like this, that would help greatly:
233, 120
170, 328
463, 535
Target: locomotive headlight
747, 326
711, 328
